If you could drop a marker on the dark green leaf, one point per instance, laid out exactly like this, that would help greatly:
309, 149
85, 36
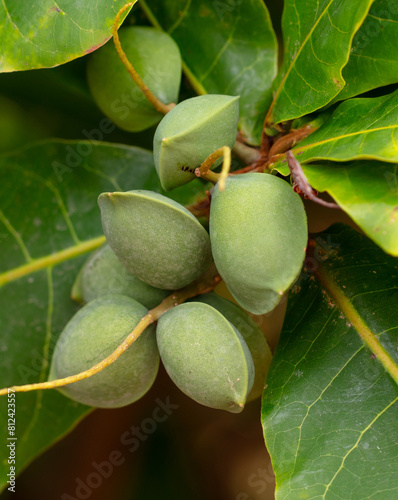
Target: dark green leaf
358, 128
49, 218
374, 57
330, 411
317, 36
43, 34
367, 191
228, 47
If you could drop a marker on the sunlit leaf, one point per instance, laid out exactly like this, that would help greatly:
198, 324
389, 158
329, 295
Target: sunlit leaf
358, 128
43, 34
317, 36
374, 58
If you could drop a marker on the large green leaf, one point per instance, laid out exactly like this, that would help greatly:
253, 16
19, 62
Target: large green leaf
43, 34
330, 411
366, 190
49, 220
317, 36
358, 128
227, 48
374, 57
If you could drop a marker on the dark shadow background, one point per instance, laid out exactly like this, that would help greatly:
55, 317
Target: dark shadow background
196, 453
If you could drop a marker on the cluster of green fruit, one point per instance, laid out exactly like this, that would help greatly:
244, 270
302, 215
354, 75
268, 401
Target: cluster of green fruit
211, 348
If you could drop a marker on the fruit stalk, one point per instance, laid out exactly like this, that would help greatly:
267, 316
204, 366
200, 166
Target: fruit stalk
300, 181
205, 172
157, 104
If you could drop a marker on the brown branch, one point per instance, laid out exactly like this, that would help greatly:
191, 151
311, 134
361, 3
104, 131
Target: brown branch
202, 207
300, 181
288, 141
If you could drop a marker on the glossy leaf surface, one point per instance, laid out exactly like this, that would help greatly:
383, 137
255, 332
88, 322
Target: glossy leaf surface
366, 190
317, 37
373, 59
44, 34
358, 128
330, 408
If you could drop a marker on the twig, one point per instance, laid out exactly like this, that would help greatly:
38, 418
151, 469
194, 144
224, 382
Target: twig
300, 181
202, 207
288, 141
157, 104
205, 172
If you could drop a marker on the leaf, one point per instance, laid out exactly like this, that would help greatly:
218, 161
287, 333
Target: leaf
330, 412
367, 191
317, 36
44, 34
49, 220
358, 128
374, 58
228, 47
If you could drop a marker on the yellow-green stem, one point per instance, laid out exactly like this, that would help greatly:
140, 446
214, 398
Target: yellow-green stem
205, 172
356, 320
51, 260
225, 168
157, 104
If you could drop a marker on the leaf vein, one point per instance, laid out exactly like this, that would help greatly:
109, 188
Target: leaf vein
180, 19
16, 235
355, 445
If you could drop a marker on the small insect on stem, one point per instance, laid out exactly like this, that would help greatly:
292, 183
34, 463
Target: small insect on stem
300, 181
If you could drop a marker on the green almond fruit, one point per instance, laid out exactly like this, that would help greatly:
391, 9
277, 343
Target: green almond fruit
104, 274
156, 58
190, 132
157, 239
205, 356
93, 333
251, 333
258, 232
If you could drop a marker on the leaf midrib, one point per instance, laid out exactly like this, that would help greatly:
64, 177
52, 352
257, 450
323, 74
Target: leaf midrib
343, 136
50, 260
353, 316
293, 61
